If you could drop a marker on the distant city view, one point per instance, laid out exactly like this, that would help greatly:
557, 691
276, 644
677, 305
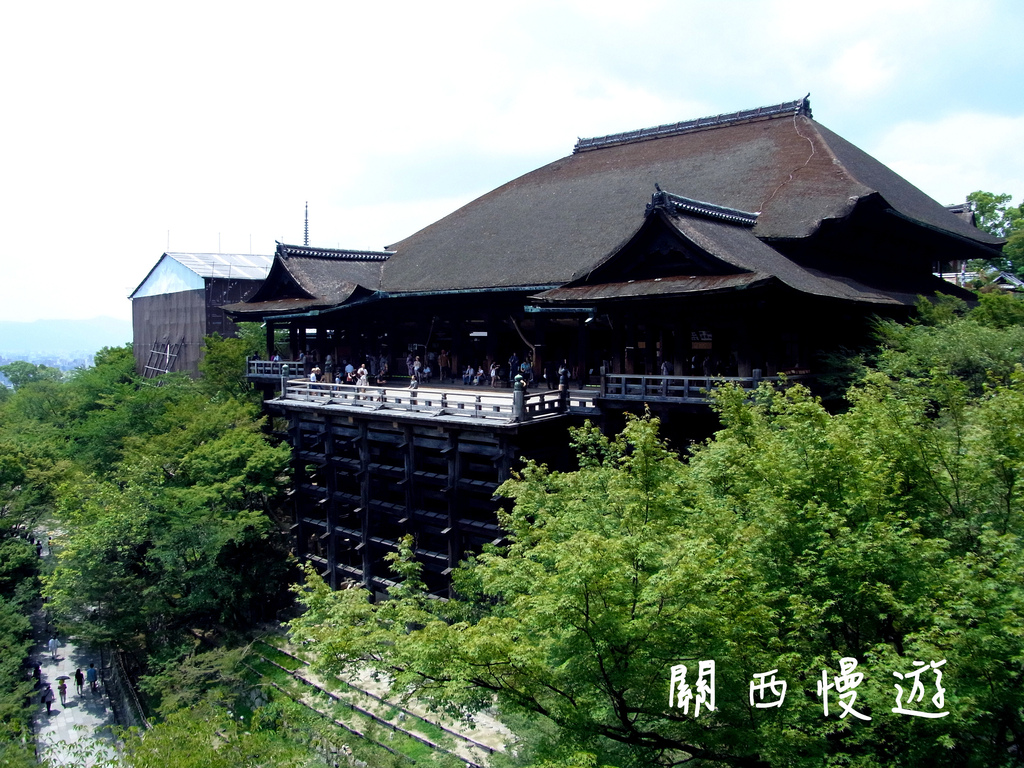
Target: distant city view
63, 344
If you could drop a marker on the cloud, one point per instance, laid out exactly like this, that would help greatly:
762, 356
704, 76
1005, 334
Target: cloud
958, 154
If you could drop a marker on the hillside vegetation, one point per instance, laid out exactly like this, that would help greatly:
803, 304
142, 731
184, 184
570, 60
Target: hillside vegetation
884, 532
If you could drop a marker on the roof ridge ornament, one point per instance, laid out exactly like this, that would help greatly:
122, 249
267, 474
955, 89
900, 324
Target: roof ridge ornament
285, 251
785, 109
677, 204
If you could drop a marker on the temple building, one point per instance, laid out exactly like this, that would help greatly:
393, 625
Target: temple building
637, 270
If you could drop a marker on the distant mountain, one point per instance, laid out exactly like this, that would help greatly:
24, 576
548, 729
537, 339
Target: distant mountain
62, 337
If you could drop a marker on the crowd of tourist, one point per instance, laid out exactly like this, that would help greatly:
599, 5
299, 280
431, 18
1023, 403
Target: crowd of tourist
427, 368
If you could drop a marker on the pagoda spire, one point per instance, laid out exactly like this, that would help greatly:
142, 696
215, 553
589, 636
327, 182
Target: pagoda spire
306, 239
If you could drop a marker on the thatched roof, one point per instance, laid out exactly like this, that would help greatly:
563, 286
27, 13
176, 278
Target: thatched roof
553, 224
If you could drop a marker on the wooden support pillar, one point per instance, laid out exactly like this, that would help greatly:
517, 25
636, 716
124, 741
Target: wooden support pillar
270, 340
454, 473
582, 349
364, 501
331, 481
491, 345
409, 469
298, 479
741, 340
541, 351
504, 461
625, 349
293, 342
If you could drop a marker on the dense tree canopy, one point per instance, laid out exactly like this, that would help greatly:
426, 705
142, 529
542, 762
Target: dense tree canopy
997, 215
160, 493
795, 541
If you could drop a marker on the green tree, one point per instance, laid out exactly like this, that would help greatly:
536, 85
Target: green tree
204, 737
996, 214
21, 373
164, 490
223, 367
179, 535
889, 533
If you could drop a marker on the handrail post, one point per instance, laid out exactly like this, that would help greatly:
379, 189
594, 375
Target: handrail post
518, 399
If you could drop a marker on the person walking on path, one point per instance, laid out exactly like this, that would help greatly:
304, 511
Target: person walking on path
79, 681
62, 691
91, 675
53, 645
48, 697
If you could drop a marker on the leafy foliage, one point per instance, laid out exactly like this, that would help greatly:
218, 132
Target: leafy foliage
21, 373
890, 533
180, 537
998, 216
205, 737
223, 367
164, 490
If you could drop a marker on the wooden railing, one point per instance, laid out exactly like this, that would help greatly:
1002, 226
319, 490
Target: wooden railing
272, 368
500, 405
687, 389
491, 405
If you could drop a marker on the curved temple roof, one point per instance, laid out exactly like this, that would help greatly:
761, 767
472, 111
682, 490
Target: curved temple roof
304, 278
552, 224
774, 174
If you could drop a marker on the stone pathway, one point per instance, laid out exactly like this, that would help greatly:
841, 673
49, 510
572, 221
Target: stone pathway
84, 716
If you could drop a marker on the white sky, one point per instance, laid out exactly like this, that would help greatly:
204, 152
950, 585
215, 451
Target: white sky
216, 121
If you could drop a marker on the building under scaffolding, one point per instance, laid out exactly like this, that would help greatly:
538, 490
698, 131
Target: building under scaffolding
179, 303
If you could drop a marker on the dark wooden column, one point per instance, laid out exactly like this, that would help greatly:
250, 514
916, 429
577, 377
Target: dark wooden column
541, 351
331, 481
409, 470
364, 502
302, 531
452, 492
582, 348
270, 340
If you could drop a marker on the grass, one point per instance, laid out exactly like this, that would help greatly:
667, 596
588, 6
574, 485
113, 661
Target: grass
279, 657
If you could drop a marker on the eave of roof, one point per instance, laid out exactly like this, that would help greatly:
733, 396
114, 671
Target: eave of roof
656, 287
354, 294
734, 247
322, 277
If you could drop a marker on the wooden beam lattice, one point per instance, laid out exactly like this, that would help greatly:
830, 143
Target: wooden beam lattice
162, 356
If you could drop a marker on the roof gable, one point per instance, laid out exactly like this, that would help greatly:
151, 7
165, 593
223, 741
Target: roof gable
168, 276
280, 284
304, 278
717, 252
659, 249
